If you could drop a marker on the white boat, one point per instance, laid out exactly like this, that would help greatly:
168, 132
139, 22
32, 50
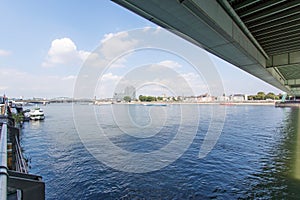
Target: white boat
155, 104
36, 114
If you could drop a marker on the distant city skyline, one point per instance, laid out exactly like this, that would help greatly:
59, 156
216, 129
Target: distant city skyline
44, 44
136, 96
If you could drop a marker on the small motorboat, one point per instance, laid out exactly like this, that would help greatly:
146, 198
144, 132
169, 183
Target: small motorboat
36, 114
155, 104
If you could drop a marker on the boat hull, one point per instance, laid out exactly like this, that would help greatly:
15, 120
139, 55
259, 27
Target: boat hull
42, 117
36, 114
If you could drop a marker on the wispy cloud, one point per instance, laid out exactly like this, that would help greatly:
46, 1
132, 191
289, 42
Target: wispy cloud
113, 44
107, 85
196, 82
170, 63
5, 52
110, 77
3, 88
33, 85
71, 77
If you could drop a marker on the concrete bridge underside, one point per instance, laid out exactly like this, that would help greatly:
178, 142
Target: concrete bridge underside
261, 37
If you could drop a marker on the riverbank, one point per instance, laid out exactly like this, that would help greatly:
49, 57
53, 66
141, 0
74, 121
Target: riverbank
288, 104
229, 103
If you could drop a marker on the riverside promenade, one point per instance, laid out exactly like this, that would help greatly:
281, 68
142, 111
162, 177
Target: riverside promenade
15, 180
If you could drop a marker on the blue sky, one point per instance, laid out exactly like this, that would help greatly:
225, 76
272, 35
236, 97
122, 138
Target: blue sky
43, 45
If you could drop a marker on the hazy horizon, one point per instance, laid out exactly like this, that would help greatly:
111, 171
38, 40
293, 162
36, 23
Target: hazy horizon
50, 46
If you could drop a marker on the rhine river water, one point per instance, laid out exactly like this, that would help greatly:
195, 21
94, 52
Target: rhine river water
256, 157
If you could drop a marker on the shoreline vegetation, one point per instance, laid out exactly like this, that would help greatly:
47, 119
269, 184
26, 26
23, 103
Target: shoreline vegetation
206, 99
227, 103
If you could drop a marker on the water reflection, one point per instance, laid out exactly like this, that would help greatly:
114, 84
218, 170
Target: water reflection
280, 167
297, 153
256, 157
36, 124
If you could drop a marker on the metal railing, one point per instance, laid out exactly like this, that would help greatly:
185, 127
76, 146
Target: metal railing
3, 156
15, 175
3, 162
21, 166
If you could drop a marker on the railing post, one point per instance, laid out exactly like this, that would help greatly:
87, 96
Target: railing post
3, 162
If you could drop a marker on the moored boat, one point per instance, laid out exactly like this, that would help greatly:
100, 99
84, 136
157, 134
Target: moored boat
36, 114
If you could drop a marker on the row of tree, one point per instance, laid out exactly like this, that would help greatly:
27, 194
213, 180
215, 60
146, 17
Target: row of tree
258, 96
263, 96
143, 98
149, 98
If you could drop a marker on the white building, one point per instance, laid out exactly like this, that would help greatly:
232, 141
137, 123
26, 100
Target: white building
190, 99
206, 98
223, 98
238, 97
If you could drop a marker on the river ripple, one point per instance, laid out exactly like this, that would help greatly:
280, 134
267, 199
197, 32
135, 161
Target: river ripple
256, 156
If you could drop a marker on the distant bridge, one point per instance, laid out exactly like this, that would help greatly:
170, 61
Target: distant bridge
33, 101
260, 37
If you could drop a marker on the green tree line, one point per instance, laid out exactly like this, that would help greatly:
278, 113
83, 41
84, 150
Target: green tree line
147, 98
263, 96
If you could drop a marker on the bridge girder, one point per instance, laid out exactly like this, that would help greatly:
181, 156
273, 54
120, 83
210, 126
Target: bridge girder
260, 37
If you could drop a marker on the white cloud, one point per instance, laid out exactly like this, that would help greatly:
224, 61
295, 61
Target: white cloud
114, 44
109, 36
4, 52
5, 73
111, 50
33, 85
196, 82
147, 28
155, 89
106, 37
158, 29
3, 88
64, 52
83, 55
71, 77
119, 63
170, 63
107, 85
190, 76
110, 77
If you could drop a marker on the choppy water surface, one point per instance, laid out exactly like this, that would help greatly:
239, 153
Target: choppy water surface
256, 156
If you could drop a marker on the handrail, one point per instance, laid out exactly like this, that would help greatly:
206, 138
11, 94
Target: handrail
19, 180
3, 157
21, 166
3, 162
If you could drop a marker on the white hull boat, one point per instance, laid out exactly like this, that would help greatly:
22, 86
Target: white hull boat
36, 114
